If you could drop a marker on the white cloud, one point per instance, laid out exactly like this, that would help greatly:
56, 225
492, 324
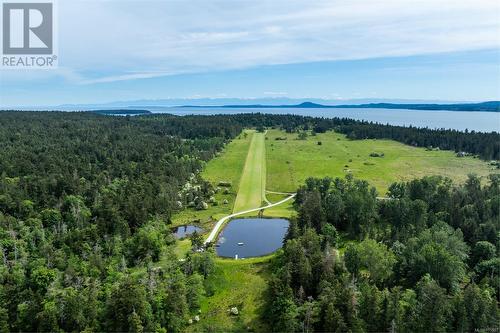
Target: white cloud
275, 93
124, 77
106, 41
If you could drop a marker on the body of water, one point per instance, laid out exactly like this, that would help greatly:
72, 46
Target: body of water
477, 121
251, 237
185, 230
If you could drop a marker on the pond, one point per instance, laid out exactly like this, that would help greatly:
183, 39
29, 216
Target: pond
185, 230
251, 237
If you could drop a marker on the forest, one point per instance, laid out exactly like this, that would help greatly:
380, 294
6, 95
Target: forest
426, 259
86, 201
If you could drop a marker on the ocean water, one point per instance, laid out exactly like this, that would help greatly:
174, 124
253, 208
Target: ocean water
472, 121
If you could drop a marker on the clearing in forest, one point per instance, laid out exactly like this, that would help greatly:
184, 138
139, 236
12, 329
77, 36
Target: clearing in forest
253, 179
290, 161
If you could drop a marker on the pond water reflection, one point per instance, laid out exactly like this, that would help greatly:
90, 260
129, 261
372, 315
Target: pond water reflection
185, 230
251, 237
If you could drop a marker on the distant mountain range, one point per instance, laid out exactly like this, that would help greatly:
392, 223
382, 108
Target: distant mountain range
167, 102
493, 106
154, 104
278, 102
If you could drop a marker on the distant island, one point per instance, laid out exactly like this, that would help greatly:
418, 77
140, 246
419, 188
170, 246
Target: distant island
493, 106
122, 112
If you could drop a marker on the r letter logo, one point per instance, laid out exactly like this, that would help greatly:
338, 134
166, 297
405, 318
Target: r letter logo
28, 29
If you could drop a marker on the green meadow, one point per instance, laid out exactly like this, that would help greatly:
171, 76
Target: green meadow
290, 161
284, 210
235, 283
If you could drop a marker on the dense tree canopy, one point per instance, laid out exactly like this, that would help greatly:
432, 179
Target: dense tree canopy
85, 202
428, 259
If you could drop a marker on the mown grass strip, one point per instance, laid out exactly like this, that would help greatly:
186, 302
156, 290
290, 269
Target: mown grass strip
253, 180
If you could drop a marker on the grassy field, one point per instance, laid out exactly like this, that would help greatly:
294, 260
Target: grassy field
228, 166
291, 161
182, 247
239, 283
284, 210
253, 180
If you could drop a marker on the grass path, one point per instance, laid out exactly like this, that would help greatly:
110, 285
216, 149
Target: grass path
252, 188
252, 185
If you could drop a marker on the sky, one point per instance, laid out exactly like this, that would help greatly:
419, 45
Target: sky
332, 49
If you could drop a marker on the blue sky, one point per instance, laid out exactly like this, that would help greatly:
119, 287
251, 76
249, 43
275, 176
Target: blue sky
431, 50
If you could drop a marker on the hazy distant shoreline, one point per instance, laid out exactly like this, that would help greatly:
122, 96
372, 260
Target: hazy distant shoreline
492, 106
